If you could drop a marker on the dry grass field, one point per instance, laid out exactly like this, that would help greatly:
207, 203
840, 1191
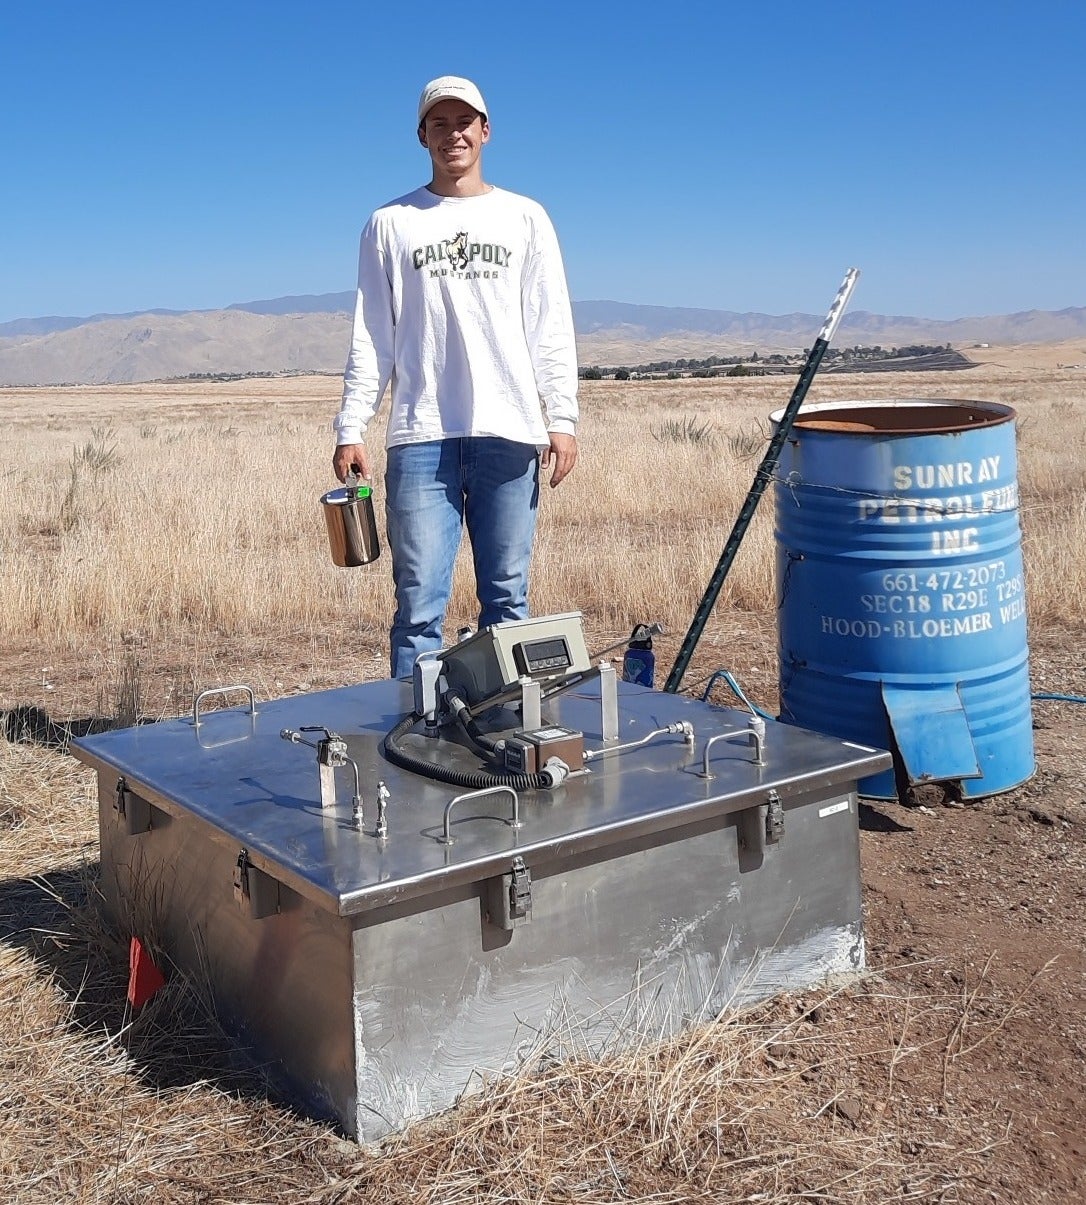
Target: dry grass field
158, 539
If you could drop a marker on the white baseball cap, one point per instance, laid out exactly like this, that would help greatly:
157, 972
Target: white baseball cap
450, 87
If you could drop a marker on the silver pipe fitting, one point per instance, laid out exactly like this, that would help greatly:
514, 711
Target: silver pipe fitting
682, 728
381, 830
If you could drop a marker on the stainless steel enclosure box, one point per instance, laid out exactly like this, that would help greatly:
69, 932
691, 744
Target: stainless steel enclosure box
380, 976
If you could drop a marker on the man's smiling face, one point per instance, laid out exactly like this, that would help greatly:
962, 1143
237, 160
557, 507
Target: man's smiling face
454, 133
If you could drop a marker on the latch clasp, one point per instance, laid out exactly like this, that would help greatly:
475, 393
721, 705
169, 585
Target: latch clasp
509, 896
758, 827
241, 878
256, 893
520, 890
774, 818
133, 811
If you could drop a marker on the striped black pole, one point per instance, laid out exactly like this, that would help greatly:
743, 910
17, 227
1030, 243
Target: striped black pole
761, 479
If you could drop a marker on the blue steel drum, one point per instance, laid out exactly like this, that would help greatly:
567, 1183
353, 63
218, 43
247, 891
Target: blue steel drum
901, 594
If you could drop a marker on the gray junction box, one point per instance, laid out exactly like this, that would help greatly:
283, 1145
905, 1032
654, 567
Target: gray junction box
382, 977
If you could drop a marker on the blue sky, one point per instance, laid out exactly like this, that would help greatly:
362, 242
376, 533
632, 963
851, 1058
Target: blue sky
719, 155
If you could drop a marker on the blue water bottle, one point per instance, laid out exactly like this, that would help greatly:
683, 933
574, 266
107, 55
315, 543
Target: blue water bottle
639, 661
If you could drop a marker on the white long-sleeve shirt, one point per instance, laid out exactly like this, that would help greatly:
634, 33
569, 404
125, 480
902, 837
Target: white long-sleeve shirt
463, 307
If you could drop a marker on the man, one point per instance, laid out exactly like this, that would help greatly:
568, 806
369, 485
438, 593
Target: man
463, 306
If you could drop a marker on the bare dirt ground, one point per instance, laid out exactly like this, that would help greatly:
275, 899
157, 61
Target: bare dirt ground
989, 900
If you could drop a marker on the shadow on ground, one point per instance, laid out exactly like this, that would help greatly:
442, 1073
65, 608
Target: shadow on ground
26, 724
874, 821
176, 1039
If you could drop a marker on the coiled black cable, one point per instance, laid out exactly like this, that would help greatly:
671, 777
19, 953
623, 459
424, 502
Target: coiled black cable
469, 779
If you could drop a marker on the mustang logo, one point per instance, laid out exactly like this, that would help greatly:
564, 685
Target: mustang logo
456, 250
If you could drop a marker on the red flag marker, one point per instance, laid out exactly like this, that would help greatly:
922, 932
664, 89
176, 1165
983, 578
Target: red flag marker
144, 978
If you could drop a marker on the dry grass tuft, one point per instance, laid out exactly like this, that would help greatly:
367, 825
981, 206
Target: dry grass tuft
795, 1100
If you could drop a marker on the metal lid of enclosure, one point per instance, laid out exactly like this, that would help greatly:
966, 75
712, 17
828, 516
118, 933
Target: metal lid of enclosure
235, 773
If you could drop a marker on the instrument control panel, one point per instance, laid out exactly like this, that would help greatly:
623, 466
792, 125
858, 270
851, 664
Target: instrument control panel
493, 660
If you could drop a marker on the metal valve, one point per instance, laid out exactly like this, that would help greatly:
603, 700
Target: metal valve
331, 753
332, 750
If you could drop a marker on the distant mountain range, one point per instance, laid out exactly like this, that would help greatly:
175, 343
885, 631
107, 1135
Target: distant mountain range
311, 333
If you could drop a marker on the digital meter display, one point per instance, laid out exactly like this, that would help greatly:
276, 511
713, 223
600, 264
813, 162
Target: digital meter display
547, 656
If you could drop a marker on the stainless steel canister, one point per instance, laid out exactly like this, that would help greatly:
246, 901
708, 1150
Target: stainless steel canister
352, 529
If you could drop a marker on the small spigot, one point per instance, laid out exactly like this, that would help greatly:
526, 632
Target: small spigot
381, 831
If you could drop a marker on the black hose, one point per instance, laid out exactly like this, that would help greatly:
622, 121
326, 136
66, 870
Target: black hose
470, 779
481, 740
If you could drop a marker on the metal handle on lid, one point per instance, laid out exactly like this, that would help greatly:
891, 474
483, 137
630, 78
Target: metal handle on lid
221, 690
447, 838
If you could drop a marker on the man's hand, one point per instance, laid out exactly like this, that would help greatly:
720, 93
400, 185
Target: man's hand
351, 457
562, 454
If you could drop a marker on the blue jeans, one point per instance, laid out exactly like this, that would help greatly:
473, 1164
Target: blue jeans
489, 485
